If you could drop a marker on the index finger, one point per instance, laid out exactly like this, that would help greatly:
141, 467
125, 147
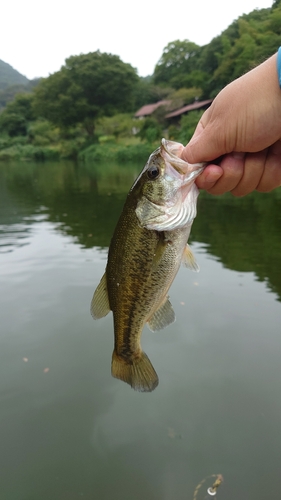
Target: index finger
210, 175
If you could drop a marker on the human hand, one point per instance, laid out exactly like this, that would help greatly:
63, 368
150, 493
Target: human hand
239, 135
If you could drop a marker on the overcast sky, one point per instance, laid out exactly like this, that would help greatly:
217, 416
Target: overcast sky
36, 36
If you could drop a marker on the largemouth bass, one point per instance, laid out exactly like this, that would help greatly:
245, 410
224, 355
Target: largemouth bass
145, 253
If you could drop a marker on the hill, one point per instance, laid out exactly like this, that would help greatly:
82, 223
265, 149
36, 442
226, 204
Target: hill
10, 76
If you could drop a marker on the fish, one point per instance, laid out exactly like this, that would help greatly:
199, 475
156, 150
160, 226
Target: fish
147, 248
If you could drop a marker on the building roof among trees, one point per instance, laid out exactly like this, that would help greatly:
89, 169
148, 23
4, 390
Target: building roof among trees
148, 109
189, 107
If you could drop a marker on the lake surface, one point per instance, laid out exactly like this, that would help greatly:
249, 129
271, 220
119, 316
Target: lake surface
68, 430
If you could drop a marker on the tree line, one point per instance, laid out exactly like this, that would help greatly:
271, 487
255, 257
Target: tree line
91, 89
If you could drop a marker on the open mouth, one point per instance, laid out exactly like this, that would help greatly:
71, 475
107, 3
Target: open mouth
171, 153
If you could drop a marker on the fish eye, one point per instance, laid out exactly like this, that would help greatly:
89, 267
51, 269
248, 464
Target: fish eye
153, 172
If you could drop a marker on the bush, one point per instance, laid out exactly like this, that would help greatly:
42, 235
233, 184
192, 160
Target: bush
188, 124
137, 152
29, 152
13, 124
134, 152
42, 133
19, 140
70, 148
174, 133
4, 142
98, 152
106, 138
150, 130
119, 125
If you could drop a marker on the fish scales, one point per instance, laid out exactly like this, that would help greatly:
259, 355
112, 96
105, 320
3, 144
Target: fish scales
143, 259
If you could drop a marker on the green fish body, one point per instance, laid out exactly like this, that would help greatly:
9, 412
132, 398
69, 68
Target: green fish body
146, 250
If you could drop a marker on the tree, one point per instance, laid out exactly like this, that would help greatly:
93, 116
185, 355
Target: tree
119, 125
247, 42
15, 117
21, 105
146, 92
13, 124
177, 61
87, 87
150, 130
183, 96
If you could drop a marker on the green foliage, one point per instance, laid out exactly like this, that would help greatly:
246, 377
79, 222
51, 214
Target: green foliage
158, 116
42, 141
134, 153
184, 96
29, 152
14, 119
87, 87
86, 109
21, 105
13, 124
146, 92
115, 152
244, 44
8, 94
106, 138
42, 132
119, 125
150, 130
188, 124
177, 60
70, 149
13, 83
96, 152
4, 142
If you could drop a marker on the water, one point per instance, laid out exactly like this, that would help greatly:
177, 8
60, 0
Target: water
68, 430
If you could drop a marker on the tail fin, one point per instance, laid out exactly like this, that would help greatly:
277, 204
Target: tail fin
138, 372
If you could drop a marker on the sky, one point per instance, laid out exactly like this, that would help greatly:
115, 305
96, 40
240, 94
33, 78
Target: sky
36, 37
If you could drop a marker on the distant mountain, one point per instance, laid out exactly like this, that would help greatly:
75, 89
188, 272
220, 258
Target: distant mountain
10, 76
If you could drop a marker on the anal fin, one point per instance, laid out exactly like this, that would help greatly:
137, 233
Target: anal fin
162, 317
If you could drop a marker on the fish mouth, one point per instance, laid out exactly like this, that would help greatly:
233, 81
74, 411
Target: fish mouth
173, 155
171, 152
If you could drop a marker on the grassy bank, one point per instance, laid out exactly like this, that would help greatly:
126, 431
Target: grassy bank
118, 152
39, 140
43, 143
92, 153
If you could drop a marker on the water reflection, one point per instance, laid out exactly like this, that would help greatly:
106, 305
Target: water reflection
68, 429
243, 233
84, 202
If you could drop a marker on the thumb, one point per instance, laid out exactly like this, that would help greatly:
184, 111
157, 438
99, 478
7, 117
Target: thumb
202, 146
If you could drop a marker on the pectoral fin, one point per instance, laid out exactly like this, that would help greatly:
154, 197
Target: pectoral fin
188, 259
100, 304
159, 251
164, 316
